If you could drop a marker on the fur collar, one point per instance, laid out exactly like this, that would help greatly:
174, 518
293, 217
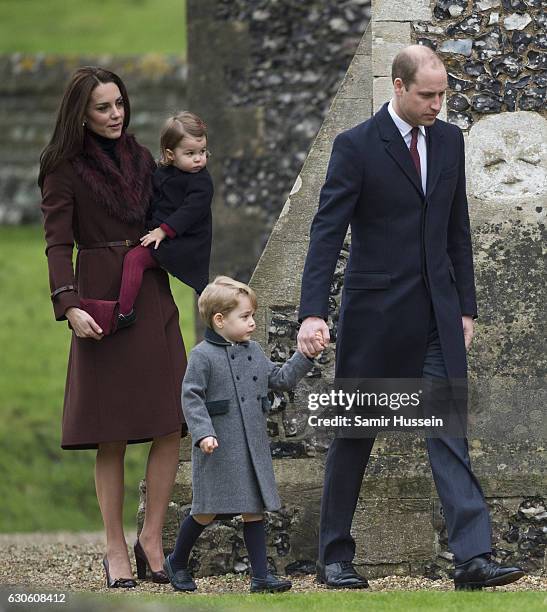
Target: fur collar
124, 191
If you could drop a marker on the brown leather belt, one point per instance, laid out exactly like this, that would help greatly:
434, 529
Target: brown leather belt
104, 245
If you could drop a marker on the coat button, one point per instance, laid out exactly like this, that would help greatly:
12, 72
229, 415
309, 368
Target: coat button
233, 356
242, 399
249, 358
237, 377
255, 378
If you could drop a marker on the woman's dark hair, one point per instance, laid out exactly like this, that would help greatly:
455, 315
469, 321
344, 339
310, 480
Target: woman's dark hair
68, 135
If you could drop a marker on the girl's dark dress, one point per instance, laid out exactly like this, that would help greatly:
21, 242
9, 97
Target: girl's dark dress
181, 206
182, 201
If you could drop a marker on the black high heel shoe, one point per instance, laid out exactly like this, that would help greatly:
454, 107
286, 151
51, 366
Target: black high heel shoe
142, 563
119, 583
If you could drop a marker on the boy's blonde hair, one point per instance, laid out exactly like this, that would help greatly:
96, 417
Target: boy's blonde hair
176, 128
222, 296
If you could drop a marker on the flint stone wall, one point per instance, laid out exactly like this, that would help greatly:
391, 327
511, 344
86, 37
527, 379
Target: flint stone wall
399, 527
263, 74
31, 87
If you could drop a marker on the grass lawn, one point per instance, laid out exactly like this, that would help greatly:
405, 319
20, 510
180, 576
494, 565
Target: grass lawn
42, 487
418, 601
93, 26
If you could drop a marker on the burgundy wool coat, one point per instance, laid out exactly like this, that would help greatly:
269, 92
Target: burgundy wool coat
126, 386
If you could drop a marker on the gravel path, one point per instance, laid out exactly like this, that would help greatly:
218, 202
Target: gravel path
72, 562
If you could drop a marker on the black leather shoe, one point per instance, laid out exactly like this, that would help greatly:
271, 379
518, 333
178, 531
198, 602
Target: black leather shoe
160, 577
117, 583
482, 572
181, 580
127, 319
340, 575
270, 584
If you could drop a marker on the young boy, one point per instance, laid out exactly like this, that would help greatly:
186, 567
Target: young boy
224, 398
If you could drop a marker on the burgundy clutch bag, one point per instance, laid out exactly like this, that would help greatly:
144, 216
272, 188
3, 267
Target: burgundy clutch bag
104, 312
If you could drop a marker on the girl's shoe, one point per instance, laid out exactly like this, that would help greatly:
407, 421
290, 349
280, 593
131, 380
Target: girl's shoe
181, 580
127, 319
270, 584
118, 583
159, 577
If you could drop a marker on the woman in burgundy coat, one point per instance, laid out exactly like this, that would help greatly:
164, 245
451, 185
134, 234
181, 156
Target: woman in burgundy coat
121, 388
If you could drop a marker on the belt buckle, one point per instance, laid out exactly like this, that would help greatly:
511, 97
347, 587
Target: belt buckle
128, 243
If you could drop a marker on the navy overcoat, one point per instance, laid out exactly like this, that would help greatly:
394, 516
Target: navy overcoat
409, 250
182, 200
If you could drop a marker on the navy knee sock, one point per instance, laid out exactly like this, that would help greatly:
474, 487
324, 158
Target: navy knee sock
255, 541
189, 532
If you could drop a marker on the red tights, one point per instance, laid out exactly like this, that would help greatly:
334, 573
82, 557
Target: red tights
135, 263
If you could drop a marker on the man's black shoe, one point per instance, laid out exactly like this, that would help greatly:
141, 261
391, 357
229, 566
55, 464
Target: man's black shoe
340, 576
270, 584
181, 580
482, 572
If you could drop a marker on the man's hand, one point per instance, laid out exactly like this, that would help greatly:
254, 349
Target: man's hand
208, 444
156, 236
313, 336
468, 331
83, 324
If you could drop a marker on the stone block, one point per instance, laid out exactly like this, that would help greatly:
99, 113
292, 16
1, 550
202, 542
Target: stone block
393, 531
365, 46
182, 490
380, 570
507, 157
401, 10
388, 38
345, 114
185, 453
382, 91
357, 82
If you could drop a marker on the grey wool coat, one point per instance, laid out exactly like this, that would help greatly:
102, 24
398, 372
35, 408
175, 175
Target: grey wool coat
224, 394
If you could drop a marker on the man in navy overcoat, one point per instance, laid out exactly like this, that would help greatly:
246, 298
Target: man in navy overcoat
408, 301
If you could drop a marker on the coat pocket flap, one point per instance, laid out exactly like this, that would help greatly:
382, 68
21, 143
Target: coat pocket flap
266, 405
218, 407
367, 280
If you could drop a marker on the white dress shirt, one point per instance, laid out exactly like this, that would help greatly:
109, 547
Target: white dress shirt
406, 130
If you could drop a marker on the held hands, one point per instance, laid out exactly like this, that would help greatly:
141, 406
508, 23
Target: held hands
208, 444
83, 324
156, 236
468, 330
313, 336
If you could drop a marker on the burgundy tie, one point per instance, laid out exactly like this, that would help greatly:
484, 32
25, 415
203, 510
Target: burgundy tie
414, 151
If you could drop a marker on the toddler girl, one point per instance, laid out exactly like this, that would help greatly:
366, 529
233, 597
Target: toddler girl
179, 217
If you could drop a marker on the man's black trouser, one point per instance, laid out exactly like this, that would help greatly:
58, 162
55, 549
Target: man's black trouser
465, 511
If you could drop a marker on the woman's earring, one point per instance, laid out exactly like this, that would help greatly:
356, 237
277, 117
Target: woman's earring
84, 124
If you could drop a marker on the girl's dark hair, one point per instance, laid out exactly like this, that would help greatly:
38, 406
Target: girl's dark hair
176, 128
68, 135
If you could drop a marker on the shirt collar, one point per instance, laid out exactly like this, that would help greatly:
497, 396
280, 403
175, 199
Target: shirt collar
401, 124
214, 338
